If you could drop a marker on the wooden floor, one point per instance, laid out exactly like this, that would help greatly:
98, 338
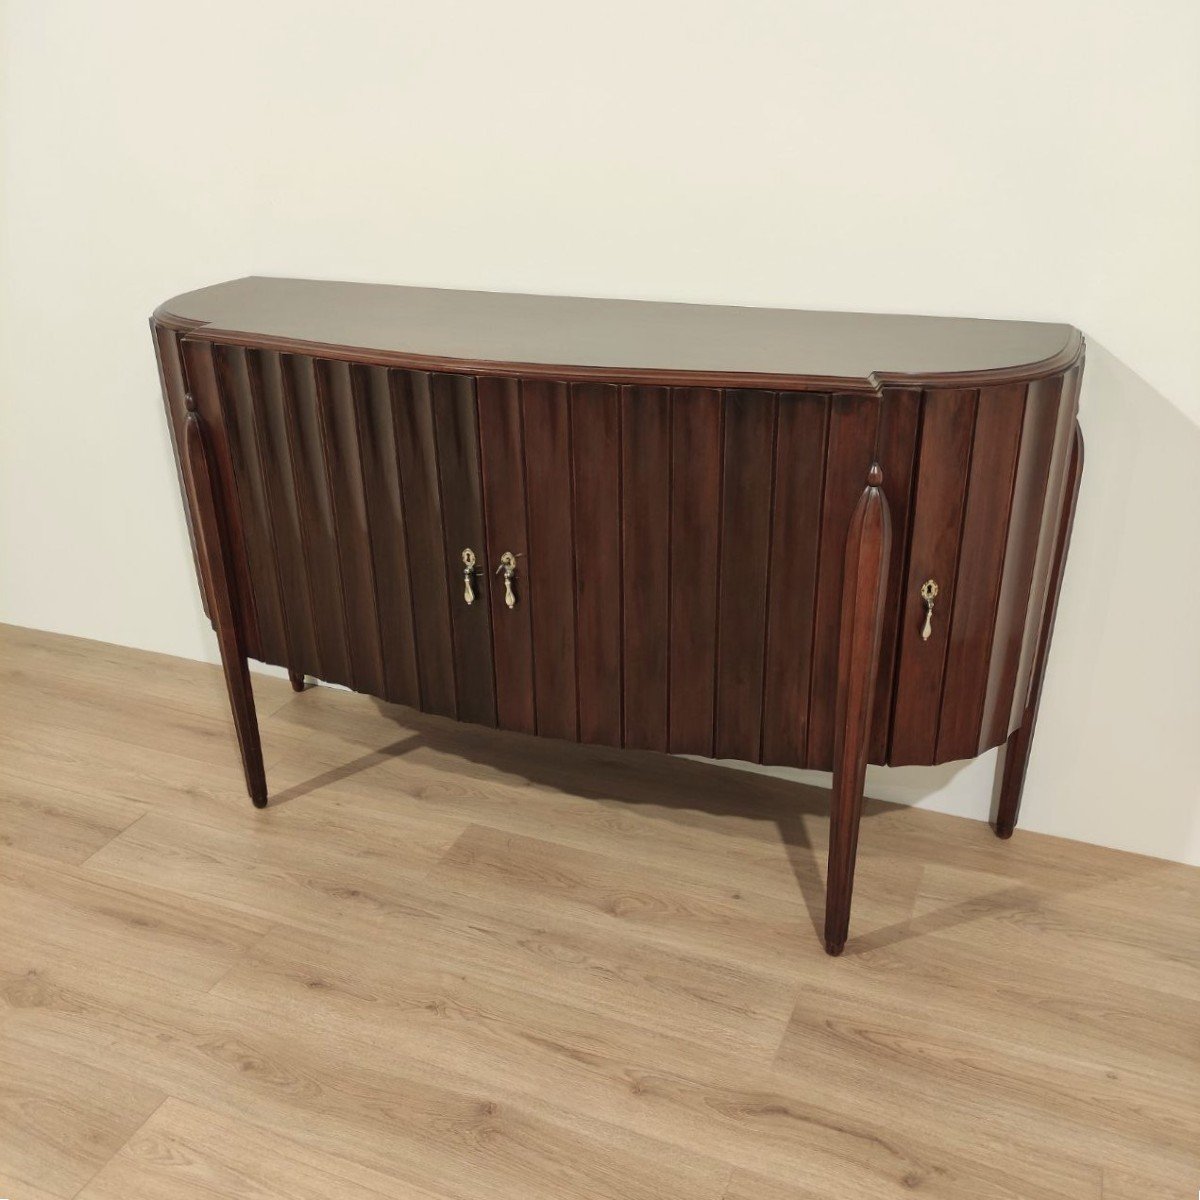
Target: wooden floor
449, 964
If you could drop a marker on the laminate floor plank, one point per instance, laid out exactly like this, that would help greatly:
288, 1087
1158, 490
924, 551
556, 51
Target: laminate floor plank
61, 1120
451, 964
52, 909
52, 822
442, 1132
185, 1152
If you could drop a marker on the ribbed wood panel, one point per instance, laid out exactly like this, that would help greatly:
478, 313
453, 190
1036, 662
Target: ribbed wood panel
549, 492
800, 443
388, 539
646, 564
850, 450
696, 442
896, 453
339, 409
317, 520
596, 471
456, 432
287, 536
947, 430
997, 443
238, 414
199, 369
747, 484
430, 574
502, 460
1034, 467
679, 550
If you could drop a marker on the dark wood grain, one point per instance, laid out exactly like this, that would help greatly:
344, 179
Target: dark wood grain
947, 425
747, 481
215, 555
429, 572
295, 582
1043, 571
199, 370
340, 406
319, 533
864, 585
696, 441
502, 457
996, 446
800, 454
699, 568
456, 431
596, 466
169, 357
1016, 753
1034, 466
623, 341
388, 540
646, 563
853, 428
899, 420
237, 419
546, 419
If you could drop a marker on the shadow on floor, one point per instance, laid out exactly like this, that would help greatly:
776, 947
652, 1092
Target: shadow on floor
650, 780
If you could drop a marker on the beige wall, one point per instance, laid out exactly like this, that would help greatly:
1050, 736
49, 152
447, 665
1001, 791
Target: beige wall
1028, 159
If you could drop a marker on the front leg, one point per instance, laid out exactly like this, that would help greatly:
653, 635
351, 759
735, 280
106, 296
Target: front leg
868, 546
214, 557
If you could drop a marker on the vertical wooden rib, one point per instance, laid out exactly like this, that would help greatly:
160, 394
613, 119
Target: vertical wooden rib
550, 567
850, 450
429, 573
316, 518
1038, 429
646, 527
947, 424
170, 374
339, 412
1064, 438
997, 444
747, 480
237, 408
271, 418
503, 481
389, 544
199, 368
799, 481
896, 456
457, 434
695, 524
596, 461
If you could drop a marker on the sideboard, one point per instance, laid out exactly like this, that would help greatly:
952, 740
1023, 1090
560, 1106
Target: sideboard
799, 538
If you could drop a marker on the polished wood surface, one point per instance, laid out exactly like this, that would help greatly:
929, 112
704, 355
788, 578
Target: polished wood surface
449, 963
577, 337
678, 544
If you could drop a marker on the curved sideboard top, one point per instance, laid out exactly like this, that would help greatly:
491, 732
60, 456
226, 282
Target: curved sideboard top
576, 338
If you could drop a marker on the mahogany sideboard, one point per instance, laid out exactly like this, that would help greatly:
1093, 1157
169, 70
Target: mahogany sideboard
801, 538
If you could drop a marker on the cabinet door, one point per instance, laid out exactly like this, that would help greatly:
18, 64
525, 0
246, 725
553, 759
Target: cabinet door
989, 483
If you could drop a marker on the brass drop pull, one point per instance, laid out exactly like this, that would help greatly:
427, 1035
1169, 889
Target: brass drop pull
468, 558
929, 591
508, 568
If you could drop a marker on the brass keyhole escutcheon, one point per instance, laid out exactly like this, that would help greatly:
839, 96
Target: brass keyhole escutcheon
508, 568
468, 558
929, 591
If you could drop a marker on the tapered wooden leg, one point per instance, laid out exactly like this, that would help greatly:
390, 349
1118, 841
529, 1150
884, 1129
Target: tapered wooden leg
297, 680
1016, 751
865, 582
212, 547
